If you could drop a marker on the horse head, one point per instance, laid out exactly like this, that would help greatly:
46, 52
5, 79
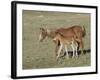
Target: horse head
43, 34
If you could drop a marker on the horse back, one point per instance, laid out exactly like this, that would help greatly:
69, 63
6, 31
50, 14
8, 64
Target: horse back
71, 32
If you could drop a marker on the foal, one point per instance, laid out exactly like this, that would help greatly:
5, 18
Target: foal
64, 42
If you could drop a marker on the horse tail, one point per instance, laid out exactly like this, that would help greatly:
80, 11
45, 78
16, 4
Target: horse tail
83, 31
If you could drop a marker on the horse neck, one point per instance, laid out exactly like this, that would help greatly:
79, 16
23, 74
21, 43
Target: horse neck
51, 34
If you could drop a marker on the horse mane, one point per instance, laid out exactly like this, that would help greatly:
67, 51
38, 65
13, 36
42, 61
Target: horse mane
61, 34
51, 33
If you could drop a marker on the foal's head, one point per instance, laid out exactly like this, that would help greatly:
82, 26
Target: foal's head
43, 34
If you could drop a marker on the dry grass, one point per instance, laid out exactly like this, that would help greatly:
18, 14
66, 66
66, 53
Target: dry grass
41, 55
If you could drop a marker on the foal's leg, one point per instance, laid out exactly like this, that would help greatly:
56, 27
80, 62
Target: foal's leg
57, 46
66, 51
72, 45
76, 48
59, 51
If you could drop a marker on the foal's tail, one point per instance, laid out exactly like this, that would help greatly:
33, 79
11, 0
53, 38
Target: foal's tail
84, 31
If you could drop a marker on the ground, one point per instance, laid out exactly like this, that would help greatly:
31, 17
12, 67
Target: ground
41, 54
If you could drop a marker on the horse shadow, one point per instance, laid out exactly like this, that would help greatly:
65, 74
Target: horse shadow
79, 52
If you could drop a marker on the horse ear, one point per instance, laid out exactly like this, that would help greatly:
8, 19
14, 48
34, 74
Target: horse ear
48, 31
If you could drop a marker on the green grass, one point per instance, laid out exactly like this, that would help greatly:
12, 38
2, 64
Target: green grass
41, 54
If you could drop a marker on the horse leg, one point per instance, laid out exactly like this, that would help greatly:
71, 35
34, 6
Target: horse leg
66, 51
58, 53
76, 48
72, 45
81, 46
78, 45
56, 49
57, 46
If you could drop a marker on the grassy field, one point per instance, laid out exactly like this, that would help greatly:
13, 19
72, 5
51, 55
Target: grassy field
41, 54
